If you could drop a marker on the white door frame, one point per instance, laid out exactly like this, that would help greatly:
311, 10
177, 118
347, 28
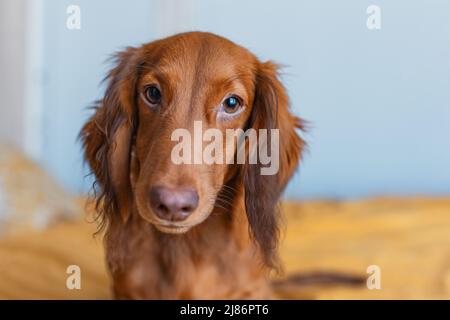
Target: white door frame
21, 64
33, 79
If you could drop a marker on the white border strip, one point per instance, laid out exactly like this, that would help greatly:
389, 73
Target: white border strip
33, 79
174, 16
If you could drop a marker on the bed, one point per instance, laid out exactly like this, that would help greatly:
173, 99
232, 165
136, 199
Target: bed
406, 239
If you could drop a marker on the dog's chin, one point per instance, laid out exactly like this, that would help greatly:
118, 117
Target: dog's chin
172, 229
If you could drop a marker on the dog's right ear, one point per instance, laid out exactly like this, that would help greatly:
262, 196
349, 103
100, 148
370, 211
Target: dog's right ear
107, 138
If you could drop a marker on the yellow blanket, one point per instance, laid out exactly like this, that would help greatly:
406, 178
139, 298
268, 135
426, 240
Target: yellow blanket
408, 239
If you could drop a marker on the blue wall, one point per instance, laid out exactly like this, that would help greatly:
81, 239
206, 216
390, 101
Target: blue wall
378, 102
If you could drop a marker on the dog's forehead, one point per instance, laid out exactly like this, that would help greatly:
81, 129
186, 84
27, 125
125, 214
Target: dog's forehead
200, 54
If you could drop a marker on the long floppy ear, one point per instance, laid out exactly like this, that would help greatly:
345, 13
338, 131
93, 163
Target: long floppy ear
262, 192
107, 139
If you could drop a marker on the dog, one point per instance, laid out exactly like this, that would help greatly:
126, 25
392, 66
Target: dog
188, 231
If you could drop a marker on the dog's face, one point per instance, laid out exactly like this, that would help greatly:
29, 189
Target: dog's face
175, 84
184, 80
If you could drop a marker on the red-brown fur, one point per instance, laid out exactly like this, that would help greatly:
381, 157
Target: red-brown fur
230, 241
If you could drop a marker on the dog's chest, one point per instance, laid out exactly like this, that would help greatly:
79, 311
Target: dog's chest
214, 281
235, 276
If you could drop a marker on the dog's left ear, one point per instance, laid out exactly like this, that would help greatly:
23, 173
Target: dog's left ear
262, 192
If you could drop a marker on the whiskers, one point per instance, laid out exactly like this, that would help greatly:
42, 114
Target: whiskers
225, 198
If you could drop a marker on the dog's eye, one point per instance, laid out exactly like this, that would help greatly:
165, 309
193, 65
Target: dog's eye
231, 104
152, 95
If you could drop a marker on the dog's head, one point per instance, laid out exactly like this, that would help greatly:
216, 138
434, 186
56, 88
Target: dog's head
160, 98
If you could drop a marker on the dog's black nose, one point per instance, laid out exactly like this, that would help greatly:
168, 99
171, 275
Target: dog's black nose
173, 204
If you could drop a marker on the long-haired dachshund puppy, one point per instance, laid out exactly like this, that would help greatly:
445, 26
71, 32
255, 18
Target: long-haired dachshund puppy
180, 230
